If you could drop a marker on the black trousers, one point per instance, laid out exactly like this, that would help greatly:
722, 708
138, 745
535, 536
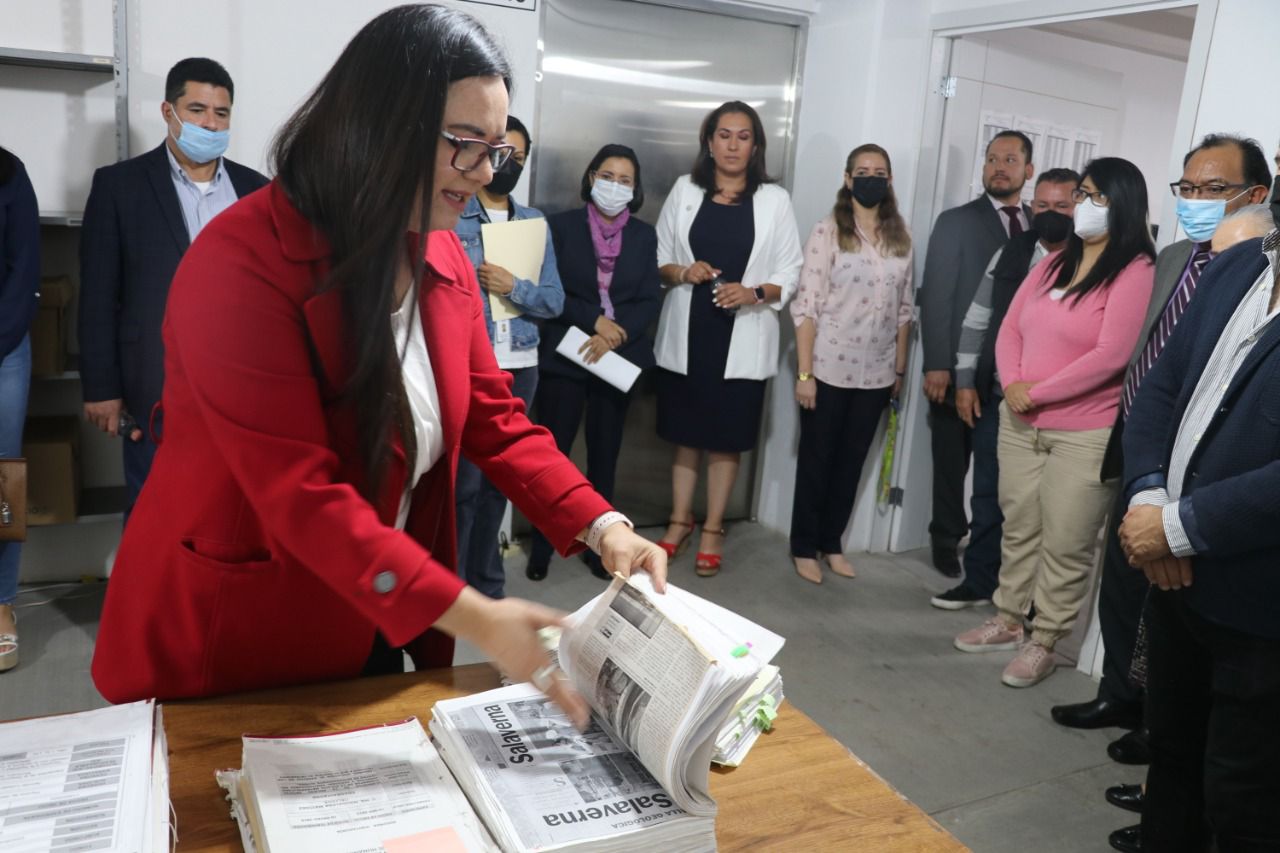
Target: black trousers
952, 443
1120, 599
835, 436
559, 404
1213, 708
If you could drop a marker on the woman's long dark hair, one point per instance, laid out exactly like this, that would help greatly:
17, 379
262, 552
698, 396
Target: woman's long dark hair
704, 168
355, 159
1129, 235
893, 231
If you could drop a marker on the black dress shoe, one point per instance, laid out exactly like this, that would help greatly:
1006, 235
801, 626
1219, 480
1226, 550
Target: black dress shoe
945, 559
535, 573
1131, 748
1128, 839
1097, 714
1127, 797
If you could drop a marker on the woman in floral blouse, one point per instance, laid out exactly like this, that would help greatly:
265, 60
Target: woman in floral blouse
852, 311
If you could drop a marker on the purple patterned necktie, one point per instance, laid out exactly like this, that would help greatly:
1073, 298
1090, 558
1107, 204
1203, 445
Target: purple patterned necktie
1160, 334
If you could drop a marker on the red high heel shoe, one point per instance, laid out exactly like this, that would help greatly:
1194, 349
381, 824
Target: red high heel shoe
705, 564
674, 548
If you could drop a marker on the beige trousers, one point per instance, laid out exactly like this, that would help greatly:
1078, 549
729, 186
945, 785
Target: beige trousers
1054, 506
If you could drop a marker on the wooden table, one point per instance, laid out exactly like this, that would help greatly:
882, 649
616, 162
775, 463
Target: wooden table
798, 789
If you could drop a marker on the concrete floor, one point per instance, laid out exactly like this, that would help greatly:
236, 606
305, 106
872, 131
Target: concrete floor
868, 659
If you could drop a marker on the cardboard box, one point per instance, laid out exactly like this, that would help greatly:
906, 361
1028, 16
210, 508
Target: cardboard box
48, 331
52, 448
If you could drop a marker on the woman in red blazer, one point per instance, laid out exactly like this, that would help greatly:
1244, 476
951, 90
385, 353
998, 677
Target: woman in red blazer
266, 548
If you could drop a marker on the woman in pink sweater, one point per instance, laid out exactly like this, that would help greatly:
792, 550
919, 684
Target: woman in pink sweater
1061, 355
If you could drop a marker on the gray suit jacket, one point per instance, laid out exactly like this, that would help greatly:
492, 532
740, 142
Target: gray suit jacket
963, 240
1170, 263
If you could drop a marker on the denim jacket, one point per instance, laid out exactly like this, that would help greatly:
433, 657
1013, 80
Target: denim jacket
543, 298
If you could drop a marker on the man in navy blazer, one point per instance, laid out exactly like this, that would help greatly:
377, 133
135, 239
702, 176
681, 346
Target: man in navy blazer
960, 247
141, 216
1202, 472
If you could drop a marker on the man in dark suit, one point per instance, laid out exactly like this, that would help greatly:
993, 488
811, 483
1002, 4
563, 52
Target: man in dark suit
1202, 472
1221, 168
141, 216
962, 243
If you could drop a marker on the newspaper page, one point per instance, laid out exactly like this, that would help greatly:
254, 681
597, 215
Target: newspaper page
79, 781
642, 673
552, 784
354, 792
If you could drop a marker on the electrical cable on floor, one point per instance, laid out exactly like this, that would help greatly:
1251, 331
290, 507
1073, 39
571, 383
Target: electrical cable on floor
66, 596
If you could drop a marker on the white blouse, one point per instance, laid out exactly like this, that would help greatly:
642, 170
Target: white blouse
424, 400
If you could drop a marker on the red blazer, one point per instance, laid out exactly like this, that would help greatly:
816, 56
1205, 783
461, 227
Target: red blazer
250, 559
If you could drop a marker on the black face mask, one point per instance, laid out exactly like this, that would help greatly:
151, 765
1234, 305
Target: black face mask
506, 178
869, 190
1052, 226
1275, 201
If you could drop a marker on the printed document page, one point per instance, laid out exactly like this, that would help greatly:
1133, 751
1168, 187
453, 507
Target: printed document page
356, 791
78, 781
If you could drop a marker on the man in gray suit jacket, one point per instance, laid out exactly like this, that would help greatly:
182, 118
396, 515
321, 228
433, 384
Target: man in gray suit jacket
1231, 172
960, 247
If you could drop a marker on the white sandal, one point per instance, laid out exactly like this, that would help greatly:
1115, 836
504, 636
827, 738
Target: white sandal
9, 649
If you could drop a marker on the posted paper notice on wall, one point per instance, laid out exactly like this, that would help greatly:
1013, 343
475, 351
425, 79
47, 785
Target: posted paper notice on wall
518, 246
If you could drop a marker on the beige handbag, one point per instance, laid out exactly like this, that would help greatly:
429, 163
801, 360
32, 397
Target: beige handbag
13, 500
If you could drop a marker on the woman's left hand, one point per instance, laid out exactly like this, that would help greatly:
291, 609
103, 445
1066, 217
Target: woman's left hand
496, 279
1018, 396
897, 388
733, 295
623, 550
594, 349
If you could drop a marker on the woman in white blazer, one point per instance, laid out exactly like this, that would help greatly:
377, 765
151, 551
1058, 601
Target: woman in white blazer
730, 256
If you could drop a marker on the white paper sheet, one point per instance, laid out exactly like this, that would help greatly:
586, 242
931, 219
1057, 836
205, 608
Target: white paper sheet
611, 367
81, 780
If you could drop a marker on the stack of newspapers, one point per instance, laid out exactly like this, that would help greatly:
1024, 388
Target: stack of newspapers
509, 771
754, 714
662, 674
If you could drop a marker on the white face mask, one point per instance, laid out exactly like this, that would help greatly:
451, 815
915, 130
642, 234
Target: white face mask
1091, 220
610, 197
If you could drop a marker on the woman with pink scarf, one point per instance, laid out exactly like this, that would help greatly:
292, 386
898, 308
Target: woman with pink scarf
608, 263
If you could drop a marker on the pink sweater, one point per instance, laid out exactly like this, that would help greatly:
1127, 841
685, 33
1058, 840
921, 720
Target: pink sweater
1075, 353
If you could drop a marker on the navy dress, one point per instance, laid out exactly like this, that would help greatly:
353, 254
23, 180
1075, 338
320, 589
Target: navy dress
702, 409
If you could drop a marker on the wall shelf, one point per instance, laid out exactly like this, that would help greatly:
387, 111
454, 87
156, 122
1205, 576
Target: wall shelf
57, 59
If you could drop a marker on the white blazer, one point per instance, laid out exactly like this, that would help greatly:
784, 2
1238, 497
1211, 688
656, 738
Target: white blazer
776, 258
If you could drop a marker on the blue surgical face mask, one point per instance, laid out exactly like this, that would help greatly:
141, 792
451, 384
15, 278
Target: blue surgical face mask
1199, 217
202, 146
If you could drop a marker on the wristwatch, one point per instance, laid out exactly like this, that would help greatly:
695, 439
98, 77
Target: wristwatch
759, 292
804, 377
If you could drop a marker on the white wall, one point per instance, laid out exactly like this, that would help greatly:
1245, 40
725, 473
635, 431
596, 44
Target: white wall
1145, 94
277, 52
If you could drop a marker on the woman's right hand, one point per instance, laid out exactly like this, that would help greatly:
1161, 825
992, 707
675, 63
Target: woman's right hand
506, 630
807, 393
698, 272
613, 333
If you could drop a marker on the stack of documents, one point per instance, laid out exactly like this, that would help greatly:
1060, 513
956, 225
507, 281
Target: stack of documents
382, 788
97, 780
662, 674
754, 714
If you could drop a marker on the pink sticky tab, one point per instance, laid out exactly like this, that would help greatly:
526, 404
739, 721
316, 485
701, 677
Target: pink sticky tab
443, 840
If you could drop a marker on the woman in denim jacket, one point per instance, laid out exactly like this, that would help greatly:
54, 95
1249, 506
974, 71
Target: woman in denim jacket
515, 343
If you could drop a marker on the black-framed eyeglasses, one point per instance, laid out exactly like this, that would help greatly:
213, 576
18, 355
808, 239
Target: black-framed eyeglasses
1098, 197
1214, 190
469, 153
